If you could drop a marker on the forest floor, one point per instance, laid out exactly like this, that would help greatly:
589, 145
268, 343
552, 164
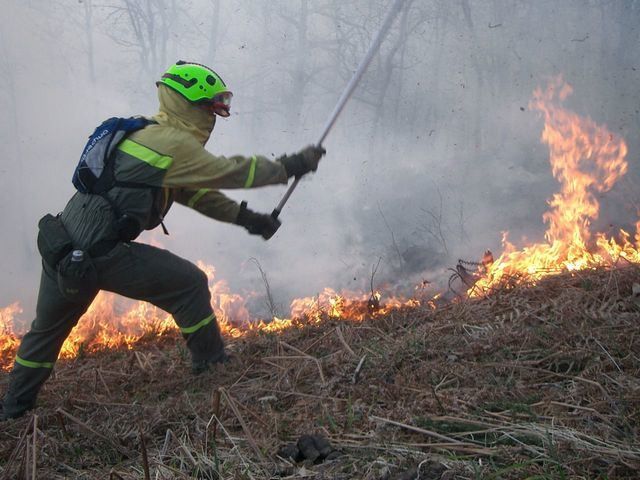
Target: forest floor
531, 382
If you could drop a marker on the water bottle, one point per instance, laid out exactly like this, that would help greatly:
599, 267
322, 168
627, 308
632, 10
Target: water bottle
76, 267
77, 256
77, 277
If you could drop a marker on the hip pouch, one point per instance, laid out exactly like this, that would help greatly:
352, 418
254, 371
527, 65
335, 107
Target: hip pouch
54, 243
77, 277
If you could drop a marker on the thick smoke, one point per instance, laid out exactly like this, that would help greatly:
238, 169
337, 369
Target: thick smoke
435, 155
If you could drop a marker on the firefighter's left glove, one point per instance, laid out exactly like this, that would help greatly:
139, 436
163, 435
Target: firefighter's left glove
303, 162
257, 223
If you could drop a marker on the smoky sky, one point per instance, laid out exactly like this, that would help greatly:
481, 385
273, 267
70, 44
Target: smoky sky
435, 155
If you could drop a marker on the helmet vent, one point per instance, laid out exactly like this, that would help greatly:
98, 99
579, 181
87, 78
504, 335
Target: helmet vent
211, 80
180, 80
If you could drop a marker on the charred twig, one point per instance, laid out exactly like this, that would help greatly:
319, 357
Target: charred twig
143, 360
435, 395
608, 355
435, 229
63, 426
216, 412
273, 310
308, 357
344, 342
34, 444
98, 376
232, 442
215, 418
16, 451
374, 300
165, 445
114, 445
145, 459
356, 373
393, 237
243, 424
430, 433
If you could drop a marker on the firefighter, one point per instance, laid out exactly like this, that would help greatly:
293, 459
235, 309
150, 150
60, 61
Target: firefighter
162, 163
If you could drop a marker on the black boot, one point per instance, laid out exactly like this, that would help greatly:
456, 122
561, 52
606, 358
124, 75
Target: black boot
201, 366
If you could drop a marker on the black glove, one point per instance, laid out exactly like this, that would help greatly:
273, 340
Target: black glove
305, 161
257, 223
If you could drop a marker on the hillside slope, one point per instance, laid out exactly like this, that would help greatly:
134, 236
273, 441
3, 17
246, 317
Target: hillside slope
533, 382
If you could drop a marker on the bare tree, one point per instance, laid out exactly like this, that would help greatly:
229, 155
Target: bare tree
270, 303
88, 30
382, 87
299, 73
214, 32
298, 58
434, 225
145, 26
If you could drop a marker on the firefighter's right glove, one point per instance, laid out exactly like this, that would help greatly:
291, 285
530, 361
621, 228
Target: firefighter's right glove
257, 223
303, 162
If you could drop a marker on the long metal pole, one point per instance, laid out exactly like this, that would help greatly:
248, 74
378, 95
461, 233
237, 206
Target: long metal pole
346, 94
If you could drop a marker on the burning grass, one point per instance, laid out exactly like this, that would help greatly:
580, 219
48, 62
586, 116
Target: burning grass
8, 340
537, 376
536, 381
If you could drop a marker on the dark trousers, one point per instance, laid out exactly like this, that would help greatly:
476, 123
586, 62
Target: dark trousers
134, 270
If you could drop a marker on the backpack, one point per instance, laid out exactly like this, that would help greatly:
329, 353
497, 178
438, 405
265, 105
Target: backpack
94, 172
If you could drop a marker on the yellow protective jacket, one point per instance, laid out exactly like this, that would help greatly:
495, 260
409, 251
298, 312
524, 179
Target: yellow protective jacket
166, 162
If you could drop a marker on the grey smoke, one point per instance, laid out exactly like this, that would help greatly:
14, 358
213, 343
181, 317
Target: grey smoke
435, 156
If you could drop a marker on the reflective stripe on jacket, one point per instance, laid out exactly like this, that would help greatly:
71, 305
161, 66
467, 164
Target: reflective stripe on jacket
169, 158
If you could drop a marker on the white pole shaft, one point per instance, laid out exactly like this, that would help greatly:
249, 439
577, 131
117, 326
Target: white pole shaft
346, 94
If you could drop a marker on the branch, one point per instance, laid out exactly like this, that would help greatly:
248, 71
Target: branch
270, 303
435, 230
393, 237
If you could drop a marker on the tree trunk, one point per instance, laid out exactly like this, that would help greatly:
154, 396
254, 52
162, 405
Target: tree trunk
299, 75
479, 94
213, 33
88, 28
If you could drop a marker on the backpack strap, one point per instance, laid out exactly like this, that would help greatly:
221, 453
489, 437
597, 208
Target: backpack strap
107, 179
95, 173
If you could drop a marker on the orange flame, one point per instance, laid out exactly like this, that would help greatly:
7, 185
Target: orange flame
8, 340
112, 321
586, 159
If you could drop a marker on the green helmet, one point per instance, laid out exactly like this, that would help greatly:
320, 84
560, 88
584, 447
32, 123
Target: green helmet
195, 82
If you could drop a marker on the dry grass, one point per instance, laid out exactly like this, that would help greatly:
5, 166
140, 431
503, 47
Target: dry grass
537, 382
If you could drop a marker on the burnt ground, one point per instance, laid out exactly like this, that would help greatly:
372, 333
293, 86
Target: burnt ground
530, 382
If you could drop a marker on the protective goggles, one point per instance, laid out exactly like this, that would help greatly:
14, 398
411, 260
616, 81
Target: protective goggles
220, 104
